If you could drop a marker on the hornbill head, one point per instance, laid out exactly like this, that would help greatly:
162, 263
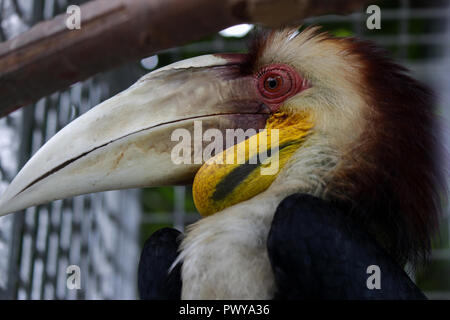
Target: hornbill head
353, 129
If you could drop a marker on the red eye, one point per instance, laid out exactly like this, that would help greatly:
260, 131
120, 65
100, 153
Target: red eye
278, 82
273, 83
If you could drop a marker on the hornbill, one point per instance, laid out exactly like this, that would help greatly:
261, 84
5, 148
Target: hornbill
357, 181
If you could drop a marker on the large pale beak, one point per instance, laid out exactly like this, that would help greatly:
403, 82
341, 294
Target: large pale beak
125, 142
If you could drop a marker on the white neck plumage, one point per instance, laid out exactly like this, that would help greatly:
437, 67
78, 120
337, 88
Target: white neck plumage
225, 255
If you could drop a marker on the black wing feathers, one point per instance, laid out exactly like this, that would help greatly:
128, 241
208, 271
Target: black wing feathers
154, 281
317, 253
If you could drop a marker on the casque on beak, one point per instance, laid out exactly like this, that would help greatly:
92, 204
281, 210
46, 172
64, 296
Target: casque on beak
125, 142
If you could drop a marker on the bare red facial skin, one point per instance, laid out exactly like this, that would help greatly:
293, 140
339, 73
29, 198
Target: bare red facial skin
274, 83
278, 82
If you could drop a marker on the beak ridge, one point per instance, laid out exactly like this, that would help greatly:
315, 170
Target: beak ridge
125, 142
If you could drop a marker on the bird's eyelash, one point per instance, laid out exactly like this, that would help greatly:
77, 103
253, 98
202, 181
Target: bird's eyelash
262, 71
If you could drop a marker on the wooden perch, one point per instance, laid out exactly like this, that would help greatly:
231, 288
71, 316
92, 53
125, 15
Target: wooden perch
50, 57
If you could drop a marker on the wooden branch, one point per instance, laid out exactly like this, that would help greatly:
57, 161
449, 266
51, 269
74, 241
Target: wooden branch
276, 13
50, 57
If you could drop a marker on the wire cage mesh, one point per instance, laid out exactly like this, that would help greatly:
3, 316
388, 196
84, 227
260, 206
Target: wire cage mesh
99, 232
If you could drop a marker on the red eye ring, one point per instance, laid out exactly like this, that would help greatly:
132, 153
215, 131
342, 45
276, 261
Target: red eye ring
278, 82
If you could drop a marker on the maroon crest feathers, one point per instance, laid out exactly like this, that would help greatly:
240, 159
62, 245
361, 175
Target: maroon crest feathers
397, 180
